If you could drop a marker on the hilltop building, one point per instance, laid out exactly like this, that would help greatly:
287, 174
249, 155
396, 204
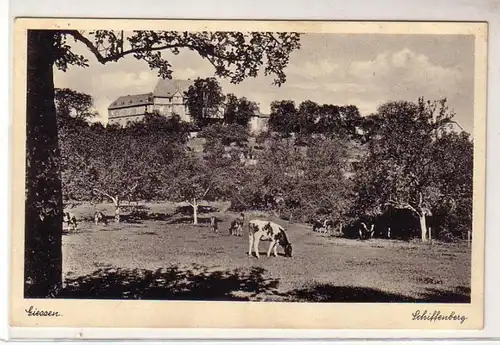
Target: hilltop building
258, 123
167, 98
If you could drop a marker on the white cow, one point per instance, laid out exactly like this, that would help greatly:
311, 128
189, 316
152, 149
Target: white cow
267, 231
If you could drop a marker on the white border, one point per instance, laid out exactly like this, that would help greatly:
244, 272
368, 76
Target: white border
466, 10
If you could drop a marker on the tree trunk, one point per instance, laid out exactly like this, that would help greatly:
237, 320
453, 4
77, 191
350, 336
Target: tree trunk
195, 212
43, 215
117, 210
423, 226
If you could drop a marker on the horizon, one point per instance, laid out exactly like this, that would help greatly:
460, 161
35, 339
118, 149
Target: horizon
340, 69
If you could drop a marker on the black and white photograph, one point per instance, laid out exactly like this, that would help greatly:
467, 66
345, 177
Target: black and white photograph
292, 165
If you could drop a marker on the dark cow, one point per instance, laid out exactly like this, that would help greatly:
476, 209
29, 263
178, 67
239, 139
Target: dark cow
99, 217
236, 227
263, 230
364, 233
323, 225
214, 224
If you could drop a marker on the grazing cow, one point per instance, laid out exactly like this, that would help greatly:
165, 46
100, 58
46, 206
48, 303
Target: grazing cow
214, 224
364, 233
69, 221
267, 231
236, 227
99, 217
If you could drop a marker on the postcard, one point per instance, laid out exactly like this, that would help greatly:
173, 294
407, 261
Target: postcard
248, 174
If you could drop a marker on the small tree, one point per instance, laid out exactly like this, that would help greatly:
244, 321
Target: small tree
245, 109
73, 103
198, 180
204, 100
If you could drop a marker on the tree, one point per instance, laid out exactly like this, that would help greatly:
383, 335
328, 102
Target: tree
201, 179
324, 189
454, 166
338, 120
307, 116
204, 100
225, 134
239, 111
400, 168
75, 140
118, 163
73, 103
283, 117
351, 119
171, 128
230, 109
234, 55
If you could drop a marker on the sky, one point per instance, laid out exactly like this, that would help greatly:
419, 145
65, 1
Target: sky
365, 70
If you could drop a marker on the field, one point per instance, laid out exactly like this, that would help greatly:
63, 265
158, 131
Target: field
160, 255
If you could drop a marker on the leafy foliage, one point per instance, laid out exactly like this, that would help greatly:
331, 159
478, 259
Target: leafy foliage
73, 103
308, 182
239, 110
312, 118
225, 134
204, 100
234, 55
117, 163
405, 167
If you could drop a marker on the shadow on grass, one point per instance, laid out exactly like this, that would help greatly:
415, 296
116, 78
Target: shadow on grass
458, 295
188, 210
353, 294
200, 283
138, 217
171, 283
189, 220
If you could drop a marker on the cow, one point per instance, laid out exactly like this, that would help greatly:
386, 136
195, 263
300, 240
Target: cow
323, 226
214, 224
236, 227
267, 231
69, 221
99, 217
364, 233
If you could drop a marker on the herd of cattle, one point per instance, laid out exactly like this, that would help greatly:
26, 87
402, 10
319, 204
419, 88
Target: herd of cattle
264, 230
258, 230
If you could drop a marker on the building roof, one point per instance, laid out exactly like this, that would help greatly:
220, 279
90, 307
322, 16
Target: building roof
168, 87
257, 113
132, 101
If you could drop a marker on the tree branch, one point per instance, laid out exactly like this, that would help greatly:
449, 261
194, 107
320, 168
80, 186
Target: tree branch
106, 194
206, 191
402, 206
114, 57
133, 188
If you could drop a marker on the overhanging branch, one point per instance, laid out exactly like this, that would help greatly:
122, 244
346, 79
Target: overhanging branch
114, 57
